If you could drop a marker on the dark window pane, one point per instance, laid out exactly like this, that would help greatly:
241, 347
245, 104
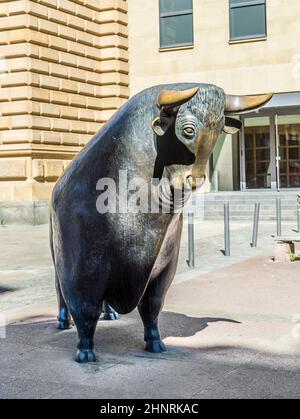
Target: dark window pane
176, 30
295, 181
289, 134
295, 167
262, 140
168, 6
247, 22
293, 139
257, 155
282, 153
282, 139
236, 2
249, 154
294, 153
263, 154
263, 168
248, 139
283, 181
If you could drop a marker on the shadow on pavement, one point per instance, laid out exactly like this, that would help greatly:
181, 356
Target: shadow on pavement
111, 337
37, 360
4, 290
180, 325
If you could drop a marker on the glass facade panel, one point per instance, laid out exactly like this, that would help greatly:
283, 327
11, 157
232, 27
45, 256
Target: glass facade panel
238, 2
176, 23
289, 151
176, 30
257, 153
168, 6
247, 19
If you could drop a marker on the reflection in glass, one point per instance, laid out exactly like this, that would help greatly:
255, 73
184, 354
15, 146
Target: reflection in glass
257, 153
247, 21
289, 150
176, 23
167, 6
176, 30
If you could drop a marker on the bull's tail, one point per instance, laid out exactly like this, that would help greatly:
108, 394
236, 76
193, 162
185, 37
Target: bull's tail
51, 238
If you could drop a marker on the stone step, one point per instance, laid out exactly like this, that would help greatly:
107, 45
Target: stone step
249, 197
242, 205
250, 210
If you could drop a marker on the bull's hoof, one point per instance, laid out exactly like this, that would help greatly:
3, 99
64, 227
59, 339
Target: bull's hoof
111, 316
110, 313
155, 346
85, 355
64, 324
64, 319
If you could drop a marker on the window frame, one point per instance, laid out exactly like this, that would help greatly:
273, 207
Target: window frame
163, 15
240, 5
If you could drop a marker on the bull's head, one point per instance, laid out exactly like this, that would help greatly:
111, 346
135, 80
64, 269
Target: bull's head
196, 118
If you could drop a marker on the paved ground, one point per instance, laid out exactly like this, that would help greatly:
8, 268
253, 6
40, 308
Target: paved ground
231, 326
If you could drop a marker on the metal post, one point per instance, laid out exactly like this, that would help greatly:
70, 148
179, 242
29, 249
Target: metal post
298, 212
278, 217
255, 225
226, 229
191, 240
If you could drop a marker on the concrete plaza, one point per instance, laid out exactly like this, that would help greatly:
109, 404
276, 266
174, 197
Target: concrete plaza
231, 326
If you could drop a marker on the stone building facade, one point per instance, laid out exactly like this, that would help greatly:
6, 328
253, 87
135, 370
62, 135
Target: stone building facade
64, 71
67, 65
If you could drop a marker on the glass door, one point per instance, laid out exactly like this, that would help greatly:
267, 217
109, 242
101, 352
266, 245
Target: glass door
288, 149
257, 153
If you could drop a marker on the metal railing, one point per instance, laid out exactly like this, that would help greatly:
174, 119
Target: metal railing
227, 235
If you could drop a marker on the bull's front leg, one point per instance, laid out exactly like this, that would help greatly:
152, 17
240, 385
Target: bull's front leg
153, 299
151, 306
149, 309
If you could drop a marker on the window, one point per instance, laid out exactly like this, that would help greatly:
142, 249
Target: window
176, 23
289, 150
247, 19
258, 152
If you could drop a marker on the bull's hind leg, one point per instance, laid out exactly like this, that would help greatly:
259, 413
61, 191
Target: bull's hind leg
85, 308
109, 312
63, 317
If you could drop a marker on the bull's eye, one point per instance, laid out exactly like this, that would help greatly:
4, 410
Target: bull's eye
189, 131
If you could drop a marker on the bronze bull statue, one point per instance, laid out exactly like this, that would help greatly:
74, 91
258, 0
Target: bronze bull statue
128, 259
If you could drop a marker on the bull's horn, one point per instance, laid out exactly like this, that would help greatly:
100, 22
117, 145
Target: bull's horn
175, 98
243, 104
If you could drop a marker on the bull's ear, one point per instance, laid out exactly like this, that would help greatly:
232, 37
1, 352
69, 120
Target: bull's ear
232, 126
161, 124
